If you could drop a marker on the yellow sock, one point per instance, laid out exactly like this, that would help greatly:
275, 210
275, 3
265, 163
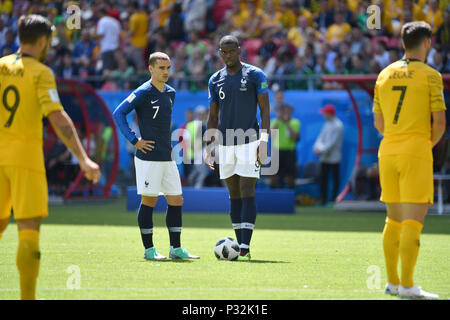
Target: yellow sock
391, 240
409, 250
28, 257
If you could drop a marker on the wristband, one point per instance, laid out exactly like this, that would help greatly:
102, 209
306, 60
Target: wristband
264, 137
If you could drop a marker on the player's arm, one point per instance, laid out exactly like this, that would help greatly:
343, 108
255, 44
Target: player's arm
438, 127
120, 117
65, 130
379, 122
264, 110
437, 107
377, 113
212, 123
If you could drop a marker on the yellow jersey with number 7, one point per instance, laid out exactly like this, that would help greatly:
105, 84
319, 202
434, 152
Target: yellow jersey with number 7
406, 93
27, 94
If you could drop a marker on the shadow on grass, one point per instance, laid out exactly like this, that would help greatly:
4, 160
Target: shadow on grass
113, 213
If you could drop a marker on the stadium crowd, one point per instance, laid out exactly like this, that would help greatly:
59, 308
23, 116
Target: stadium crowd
291, 40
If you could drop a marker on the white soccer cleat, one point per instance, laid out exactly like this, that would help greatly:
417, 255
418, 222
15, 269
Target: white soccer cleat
416, 293
391, 289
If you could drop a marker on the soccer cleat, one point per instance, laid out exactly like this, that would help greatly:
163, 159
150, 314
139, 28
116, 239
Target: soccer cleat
152, 254
391, 289
416, 293
181, 253
245, 257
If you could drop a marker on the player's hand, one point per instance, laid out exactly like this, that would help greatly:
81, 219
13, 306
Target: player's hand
209, 159
144, 145
91, 170
262, 152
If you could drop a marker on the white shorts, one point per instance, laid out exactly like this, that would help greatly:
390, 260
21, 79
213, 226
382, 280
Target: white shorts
240, 160
155, 178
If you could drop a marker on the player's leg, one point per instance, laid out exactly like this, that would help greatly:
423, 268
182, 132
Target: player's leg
5, 201
28, 256
390, 194
29, 196
171, 187
248, 215
234, 190
391, 240
416, 187
148, 184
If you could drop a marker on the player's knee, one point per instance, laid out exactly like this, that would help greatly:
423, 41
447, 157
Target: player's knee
149, 201
33, 224
247, 191
175, 200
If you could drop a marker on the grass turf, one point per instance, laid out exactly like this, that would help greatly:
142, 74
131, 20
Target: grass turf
315, 254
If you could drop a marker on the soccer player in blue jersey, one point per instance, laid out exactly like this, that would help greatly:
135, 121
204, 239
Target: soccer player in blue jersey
234, 94
156, 172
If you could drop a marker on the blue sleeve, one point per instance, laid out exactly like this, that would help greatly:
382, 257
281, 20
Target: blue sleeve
120, 117
261, 82
212, 96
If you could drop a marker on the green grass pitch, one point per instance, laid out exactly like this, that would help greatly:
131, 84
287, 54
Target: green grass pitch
95, 252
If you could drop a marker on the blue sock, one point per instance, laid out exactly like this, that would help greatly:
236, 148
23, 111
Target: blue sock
145, 222
235, 214
248, 223
173, 223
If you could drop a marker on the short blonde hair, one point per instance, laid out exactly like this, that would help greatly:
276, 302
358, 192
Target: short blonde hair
157, 56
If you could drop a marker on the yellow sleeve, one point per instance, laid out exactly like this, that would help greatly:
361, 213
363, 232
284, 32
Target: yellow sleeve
436, 86
47, 93
376, 101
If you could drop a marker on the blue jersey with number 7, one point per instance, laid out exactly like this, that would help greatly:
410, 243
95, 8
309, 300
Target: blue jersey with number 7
154, 114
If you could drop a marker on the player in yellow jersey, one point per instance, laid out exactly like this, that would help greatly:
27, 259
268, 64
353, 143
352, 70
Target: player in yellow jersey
27, 94
408, 95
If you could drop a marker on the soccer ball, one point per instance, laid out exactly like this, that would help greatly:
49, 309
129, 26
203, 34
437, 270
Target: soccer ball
227, 249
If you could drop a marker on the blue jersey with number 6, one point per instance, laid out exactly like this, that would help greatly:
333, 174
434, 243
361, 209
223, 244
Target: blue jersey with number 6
237, 95
154, 114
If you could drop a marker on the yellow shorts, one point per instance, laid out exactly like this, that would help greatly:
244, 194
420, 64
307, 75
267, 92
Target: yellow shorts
25, 191
405, 178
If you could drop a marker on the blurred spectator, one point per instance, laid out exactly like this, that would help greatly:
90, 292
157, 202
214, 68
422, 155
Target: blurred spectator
83, 50
328, 147
9, 46
194, 139
108, 31
196, 66
413, 9
252, 18
271, 18
3, 30
434, 15
381, 54
393, 55
123, 73
438, 62
325, 17
297, 35
357, 41
195, 43
187, 165
365, 185
288, 18
66, 69
137, 31
357, 65
301, 69
278, 99
443, 33
195, 15
268, 46
284, 141
336, 32
175, 27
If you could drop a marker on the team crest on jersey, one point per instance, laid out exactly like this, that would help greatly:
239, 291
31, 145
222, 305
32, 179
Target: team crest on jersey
243, 84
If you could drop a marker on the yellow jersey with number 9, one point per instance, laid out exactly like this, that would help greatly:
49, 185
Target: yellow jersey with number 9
406, 93
27, 94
